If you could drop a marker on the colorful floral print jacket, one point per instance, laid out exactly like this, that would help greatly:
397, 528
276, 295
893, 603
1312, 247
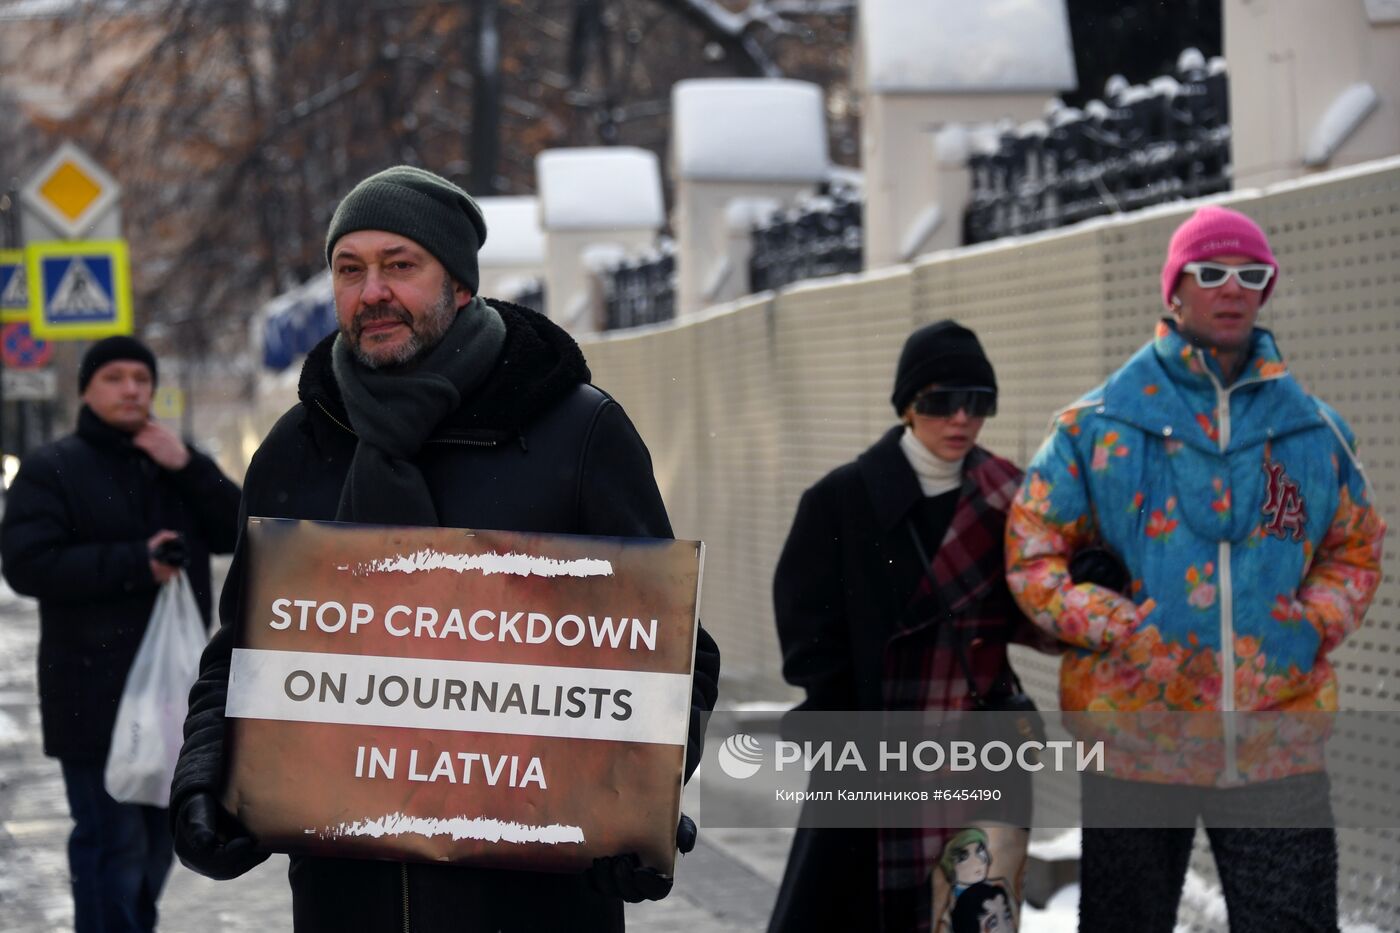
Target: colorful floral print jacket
1244, 520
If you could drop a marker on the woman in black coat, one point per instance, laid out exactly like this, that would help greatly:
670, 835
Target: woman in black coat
866, 623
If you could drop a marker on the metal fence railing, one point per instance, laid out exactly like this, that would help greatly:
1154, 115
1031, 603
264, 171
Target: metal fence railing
820, 237
1142, 145
642, 290
531, 296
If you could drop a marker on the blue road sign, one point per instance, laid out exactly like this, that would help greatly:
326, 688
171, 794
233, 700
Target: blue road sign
14, 297
79, 290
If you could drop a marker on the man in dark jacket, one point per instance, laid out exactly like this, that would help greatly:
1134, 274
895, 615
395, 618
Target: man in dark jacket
86, 527
431, 406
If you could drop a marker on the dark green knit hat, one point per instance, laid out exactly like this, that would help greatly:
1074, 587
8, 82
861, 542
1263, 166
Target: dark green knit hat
426, 208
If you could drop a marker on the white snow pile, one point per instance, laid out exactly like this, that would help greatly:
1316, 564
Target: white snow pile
600, 257
599, 188
1344, 115
951, 145
758, 129
1060, 915
1383, 11
1190, 60
10, 732
513, 234
743, 214
950, 46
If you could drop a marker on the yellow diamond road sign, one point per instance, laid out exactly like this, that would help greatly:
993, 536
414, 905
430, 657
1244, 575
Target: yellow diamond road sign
71, 191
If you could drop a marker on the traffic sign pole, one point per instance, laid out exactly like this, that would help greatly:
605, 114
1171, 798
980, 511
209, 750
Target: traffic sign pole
70, 203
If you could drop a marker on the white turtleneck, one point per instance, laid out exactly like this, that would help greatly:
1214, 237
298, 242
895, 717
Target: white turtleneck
936, 475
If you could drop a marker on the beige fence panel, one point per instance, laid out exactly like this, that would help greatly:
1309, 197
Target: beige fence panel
653, 375
1337, 317
836, 349
741, 517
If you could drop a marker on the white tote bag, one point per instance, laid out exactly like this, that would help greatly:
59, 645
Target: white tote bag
151, 718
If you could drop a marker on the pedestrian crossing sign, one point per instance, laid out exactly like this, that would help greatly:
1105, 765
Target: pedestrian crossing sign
14, 297
78, 290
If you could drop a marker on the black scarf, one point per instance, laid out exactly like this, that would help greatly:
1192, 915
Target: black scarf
394, 412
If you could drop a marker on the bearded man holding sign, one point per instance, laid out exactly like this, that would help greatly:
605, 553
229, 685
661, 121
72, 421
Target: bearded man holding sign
431, 407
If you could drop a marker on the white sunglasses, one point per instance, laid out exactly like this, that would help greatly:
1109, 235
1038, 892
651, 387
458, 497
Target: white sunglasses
1253, 276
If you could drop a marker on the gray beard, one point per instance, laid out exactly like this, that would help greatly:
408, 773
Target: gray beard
425, 333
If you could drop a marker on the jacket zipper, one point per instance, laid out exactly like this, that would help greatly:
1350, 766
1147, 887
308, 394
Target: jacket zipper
462, 441
334, 420
1227, 598
403, 873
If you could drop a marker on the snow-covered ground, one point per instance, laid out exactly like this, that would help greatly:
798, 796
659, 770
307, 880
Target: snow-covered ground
1201, 900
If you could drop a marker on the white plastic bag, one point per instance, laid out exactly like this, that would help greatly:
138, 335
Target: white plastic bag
151, 718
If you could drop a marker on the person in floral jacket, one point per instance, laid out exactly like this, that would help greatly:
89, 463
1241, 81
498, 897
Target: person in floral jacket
1236, 505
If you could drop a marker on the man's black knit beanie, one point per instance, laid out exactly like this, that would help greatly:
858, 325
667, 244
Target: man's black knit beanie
110, 349
944, 352
426, 208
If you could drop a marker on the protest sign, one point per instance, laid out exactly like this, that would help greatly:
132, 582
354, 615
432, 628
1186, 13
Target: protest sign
484, 697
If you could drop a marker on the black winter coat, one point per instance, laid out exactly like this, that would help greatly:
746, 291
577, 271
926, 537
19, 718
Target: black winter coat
77, 519
535, 449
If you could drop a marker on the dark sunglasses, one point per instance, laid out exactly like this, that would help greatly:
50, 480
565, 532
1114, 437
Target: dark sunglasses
1253, 276
944, 403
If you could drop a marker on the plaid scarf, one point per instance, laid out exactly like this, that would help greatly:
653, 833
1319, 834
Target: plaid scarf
921, 666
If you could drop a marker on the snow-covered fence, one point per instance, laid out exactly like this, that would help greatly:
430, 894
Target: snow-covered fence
1146, 144
820, 237
737, 145
512, 258
924, 66
531, 295
642, 290
597, 206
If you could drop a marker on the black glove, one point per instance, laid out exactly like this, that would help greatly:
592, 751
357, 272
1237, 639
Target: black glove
1101, 566
622, 875
173, 552
212, 842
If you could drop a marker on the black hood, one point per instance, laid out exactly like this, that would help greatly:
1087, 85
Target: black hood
539, 365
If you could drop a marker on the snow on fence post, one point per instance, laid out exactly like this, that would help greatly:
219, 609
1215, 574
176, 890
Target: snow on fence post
596, 206
1312, 85
931, 63
512, 258
736, 140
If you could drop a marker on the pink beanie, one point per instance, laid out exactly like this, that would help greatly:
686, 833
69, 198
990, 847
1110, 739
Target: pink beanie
1215, 231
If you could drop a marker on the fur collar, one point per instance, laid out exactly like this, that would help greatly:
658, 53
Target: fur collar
539, 365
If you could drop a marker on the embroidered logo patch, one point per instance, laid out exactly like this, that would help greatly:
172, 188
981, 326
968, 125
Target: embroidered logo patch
1286, 514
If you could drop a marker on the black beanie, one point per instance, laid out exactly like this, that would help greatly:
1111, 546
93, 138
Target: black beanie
426, 208
113, 348
944, 352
